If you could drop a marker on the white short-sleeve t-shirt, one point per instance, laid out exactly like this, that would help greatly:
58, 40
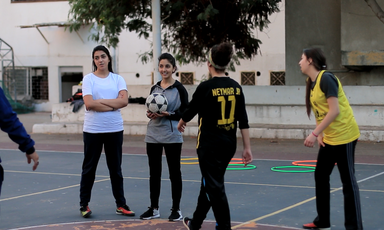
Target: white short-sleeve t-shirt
103, 88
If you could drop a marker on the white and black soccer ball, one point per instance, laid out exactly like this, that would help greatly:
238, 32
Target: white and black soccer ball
156, 103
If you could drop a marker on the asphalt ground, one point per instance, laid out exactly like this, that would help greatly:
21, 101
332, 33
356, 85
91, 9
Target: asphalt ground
259, 198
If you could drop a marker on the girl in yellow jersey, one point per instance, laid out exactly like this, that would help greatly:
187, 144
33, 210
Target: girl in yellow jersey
336, 133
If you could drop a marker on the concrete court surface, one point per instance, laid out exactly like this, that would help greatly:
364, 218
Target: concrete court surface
259, 198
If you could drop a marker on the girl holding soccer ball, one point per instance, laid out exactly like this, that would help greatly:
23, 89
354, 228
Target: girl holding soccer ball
162, 134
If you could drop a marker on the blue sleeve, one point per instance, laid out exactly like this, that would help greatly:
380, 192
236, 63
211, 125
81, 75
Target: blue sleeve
9, 123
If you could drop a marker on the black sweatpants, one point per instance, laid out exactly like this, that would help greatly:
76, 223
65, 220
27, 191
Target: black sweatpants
213, 165
344, 157
1, 177
93, 145
173, 154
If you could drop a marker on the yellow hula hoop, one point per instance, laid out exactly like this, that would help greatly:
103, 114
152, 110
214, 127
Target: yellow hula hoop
189, 159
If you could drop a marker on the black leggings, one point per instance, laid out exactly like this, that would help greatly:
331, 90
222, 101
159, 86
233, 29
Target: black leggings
344, 157
213, 165
93, 145
1, 177
173, 154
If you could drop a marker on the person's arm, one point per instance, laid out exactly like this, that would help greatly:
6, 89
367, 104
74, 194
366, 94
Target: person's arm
9, 123
95, 105
183, 104
247, 153
333, 105
191, 110
120, 102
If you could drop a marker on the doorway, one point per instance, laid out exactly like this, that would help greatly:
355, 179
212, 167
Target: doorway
70, 76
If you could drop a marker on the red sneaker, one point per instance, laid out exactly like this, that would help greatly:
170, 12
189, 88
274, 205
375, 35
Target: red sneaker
314, 227
124, 210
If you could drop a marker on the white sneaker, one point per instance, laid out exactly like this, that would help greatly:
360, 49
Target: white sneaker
151, 213
175, 215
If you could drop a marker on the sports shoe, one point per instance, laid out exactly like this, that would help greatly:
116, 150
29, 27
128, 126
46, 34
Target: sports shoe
175, 215
85, 211
187, 223
151, 213
313, 226
125, 210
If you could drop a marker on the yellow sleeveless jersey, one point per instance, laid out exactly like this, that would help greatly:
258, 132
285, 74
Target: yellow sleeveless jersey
344, 128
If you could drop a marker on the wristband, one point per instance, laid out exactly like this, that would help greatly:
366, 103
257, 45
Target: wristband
314, 134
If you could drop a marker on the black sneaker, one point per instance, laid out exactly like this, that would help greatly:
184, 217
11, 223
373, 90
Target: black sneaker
85, 211
187, 223
175, 215
151, 213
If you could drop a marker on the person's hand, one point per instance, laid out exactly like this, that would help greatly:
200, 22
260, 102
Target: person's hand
247, 157
163, 114
310, 140
320, 140
181, 126
33, 157
151, 115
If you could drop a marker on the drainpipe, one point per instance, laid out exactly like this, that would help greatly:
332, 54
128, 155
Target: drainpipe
156, 30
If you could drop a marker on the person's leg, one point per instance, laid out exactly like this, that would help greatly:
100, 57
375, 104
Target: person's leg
325, 163
213, 165
154, 153
93, 145
173, 154
346, 165
202, 208
113, 153
1, 177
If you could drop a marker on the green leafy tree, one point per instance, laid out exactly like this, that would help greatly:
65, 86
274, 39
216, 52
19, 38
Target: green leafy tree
189, 28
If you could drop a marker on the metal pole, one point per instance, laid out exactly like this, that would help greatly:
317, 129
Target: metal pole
156, 30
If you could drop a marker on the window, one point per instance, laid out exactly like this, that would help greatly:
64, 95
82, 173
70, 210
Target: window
248, 78
186, 78
277, 78
27, 82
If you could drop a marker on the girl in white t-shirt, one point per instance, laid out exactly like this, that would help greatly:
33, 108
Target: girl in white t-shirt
104, 93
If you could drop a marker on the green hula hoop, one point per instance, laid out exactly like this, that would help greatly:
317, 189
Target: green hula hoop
248, 167
285, 169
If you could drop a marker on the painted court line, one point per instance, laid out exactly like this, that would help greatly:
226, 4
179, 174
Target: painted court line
163, 179
47, 191
298, 204
166, 179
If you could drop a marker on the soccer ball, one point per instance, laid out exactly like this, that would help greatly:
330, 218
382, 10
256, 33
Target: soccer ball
156, 103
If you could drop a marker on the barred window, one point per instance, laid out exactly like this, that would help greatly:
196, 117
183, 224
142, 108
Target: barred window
248, 78
27, 81
277, 77
186, 78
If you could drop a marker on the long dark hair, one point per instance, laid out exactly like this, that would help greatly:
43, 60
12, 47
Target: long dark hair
222, 54
320, 63
170, 58
105, 50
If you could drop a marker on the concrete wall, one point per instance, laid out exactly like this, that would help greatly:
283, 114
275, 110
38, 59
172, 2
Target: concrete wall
273, 112
362, 46
338, 27
273, 105
65, 49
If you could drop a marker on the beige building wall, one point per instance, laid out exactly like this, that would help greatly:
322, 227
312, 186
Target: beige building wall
347, 30
57, 49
